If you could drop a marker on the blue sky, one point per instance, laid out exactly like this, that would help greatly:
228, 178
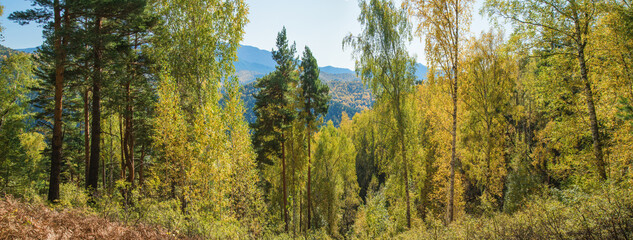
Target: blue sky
320, 24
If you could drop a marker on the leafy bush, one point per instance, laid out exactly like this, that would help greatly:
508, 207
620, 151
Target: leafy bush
72, 196
373, 220
606, 213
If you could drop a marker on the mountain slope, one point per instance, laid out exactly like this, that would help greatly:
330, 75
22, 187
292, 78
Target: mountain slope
347, 91
27, 50
420, 71
350, 97
5, 51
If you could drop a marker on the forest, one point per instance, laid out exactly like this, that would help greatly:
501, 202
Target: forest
131, 112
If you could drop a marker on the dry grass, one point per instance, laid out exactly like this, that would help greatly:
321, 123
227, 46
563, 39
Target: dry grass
36, 221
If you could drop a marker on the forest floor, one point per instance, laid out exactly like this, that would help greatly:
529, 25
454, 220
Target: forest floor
19, 220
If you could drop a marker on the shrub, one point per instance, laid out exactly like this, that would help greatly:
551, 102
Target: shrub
606, 213
72, 196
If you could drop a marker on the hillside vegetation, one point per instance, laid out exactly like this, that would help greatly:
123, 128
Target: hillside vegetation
131, 121
21, 220
350, 97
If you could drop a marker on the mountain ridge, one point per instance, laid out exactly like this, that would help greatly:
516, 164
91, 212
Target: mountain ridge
253, 62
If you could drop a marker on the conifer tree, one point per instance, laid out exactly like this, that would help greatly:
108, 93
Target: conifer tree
273, 112
107, 18
58, 38
315, 97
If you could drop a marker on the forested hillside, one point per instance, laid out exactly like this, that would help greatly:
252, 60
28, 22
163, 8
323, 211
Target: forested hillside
143, 119
350, 97
348, 93
6, 52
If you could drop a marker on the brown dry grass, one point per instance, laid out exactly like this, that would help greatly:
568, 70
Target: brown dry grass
36, 221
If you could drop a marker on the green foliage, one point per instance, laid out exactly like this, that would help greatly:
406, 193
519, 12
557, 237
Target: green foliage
277, 138
314, 92
6, 52
487, 97
570, 214
335, 180
373, 220
626, 110
21, 163
383, 63
72, 196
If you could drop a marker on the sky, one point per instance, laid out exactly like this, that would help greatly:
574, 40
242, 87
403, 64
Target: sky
320, 24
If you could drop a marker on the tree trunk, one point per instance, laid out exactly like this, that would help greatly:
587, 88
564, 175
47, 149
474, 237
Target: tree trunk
406, 179
95, 147
400, 118
87, 133
110, 160
140, 166
56, 156
123, 145
451, 191
283, 179
595, 133
129, 137
103, 162
451, 186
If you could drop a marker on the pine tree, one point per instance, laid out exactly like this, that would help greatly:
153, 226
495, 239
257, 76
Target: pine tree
57, 34
316, 98
274, 115
107, 18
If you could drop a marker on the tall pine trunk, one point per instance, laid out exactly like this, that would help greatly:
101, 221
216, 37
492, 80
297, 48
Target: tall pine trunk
129, 136
123, 144
87, 133
56, 156
95, 148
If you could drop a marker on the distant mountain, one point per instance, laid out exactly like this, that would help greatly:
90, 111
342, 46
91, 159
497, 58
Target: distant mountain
253, 63
335, 70
248, 54
347, 91
27, 50
338, 77
420, 71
